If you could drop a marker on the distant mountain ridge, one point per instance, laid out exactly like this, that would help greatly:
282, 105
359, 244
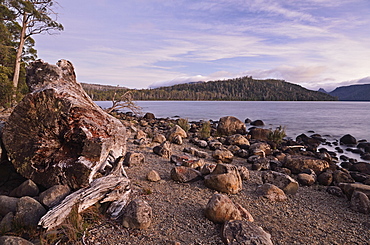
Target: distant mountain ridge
237, 89
359, 92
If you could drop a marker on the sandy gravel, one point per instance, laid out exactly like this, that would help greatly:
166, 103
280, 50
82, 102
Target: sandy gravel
312, 216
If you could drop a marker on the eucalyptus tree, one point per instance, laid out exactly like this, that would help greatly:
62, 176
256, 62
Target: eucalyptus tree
31, 17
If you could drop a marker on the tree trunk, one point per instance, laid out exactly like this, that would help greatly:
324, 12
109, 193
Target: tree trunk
18, 59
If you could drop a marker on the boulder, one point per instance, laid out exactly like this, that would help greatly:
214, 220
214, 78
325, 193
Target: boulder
149, 115
271, 192
231, 125
259, 133
185, 174
342, 176
6, 223
236, 232
348, 140
363, 167
223, 155
137, 215
207, 168
325, 178
335, 190
153, 176
214, 145
57, 134
133, 158
244, 172
307, 177
261, 164
8, 204
350, 188
14, 240
298, 163
54, 195
310, 142
159, 138
29, 212
220, 208
163, 150
283, 181
175, 132
27, 188
140, 134
237, 139
224, 178
260, 148
257, 123
360, 202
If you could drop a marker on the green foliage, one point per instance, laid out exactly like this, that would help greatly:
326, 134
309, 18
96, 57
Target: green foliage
205, 130
184, 124
277, 135
238, 89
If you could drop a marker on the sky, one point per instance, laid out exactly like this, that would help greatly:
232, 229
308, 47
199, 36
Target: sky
151, 43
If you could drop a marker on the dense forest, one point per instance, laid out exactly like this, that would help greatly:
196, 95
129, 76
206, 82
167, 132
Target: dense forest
238, 89
360, 92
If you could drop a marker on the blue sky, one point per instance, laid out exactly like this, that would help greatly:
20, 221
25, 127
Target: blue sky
147, 43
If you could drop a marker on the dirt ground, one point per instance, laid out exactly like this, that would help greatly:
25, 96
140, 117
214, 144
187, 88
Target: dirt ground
312, 216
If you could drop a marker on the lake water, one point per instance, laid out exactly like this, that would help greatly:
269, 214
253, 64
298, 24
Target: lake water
330, 119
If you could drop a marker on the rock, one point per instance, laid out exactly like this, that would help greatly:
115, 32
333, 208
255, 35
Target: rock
348, 140
360, 177
298, 163
283, 181
242, 153
261, 164
244, 172
224, 178
137, 215
220, 208
231, 125
310, 143
27, 188
133, 158
261, 149
185, 174
174, 132
187, 161
207, 168
159, 138
223, 155
362, 167
271, 192
163, 150
57, 134
237, 232
140, 134
8, 204
13, 240
325, 178
342, 176
29, 212
233, 148
177, 140
258, 123
360, 202
149, 115
54, 195
6, 223
306, 179
237, 139
349, 188
214, 145
202, 143
259, 133
335, 190
153, 176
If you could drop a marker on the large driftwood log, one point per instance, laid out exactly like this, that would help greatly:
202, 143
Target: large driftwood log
57, 134
105, 189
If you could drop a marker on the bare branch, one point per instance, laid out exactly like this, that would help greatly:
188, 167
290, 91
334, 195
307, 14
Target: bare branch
124, 102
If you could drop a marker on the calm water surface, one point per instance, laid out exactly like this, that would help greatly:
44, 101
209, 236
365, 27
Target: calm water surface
330, 119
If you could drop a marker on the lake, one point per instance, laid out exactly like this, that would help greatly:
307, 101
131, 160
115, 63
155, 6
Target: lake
331, 119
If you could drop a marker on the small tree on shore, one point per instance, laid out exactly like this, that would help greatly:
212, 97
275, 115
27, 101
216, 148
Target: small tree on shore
124, 102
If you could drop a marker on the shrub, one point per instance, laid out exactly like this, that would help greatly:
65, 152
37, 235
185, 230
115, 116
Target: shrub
277, 135
184, 124
205, 130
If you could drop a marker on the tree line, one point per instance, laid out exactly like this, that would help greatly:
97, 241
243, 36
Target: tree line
237, 89
20, 20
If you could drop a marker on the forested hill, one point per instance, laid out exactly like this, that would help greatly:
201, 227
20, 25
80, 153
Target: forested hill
238, 89
360, 92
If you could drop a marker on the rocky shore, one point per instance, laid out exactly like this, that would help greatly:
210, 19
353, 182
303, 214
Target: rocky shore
183, 182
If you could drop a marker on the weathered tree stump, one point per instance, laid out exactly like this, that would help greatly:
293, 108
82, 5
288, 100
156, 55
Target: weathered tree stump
57, 134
